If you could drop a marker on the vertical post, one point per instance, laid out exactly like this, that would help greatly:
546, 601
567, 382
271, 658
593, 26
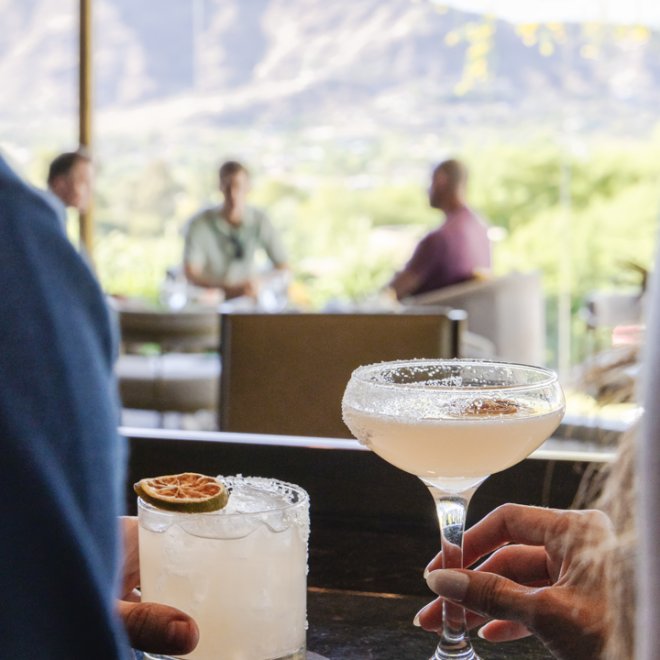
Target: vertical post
85, 219
564, 312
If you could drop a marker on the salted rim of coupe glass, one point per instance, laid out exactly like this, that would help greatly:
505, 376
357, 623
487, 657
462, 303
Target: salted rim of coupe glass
284, 488
378, 370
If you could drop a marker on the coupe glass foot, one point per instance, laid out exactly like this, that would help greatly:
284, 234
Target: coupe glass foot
449, 653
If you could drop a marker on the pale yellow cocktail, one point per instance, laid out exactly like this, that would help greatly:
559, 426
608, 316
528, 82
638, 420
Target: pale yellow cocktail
241, 572
453, 447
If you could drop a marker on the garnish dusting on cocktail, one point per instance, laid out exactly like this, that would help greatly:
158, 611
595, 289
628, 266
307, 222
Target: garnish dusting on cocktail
489, 407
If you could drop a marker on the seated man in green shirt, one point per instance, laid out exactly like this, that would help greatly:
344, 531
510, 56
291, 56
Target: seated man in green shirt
221, 241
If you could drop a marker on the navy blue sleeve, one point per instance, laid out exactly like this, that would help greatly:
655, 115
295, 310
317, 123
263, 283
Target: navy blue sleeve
62, 461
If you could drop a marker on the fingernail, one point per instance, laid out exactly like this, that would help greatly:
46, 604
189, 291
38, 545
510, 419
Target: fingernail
178, 634
416, 620
426, 572
480, 632
448, 583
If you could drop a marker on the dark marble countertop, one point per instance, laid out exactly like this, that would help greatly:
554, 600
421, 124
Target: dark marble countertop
373, 530
351, 625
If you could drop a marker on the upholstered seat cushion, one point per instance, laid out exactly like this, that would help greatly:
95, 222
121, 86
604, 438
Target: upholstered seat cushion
171, 382
508, 311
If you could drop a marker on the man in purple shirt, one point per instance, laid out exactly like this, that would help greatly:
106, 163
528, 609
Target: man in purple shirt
457, 249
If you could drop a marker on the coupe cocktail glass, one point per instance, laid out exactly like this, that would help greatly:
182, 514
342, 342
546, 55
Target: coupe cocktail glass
240, 572
452, 423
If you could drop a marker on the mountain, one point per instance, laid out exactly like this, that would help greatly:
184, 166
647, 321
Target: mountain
392, 63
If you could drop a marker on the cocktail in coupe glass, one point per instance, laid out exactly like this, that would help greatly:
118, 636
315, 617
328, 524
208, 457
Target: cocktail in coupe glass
452, 423
240, 572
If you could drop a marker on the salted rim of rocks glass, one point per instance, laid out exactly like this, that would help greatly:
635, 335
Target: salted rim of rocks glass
452, 423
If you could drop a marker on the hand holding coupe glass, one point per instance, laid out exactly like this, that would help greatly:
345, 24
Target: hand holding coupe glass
452, 423
545, 577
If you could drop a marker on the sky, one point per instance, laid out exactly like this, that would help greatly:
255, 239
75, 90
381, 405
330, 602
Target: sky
644, 12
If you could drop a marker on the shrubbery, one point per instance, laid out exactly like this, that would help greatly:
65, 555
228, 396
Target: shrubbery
577, 218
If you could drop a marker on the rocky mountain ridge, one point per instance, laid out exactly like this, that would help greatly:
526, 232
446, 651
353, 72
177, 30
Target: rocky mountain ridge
402, 63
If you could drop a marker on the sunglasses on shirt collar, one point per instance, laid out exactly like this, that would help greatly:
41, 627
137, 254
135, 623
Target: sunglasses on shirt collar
239, 248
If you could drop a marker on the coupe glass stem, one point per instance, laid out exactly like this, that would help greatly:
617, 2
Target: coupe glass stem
451, 507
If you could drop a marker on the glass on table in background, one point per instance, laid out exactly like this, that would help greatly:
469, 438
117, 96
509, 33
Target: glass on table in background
273, 291
452, 423
240, 572
174, 290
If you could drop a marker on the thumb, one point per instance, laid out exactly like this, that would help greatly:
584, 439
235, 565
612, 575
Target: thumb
158, 628
485, 593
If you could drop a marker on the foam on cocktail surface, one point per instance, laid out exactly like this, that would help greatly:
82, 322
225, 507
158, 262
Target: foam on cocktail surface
267, 502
